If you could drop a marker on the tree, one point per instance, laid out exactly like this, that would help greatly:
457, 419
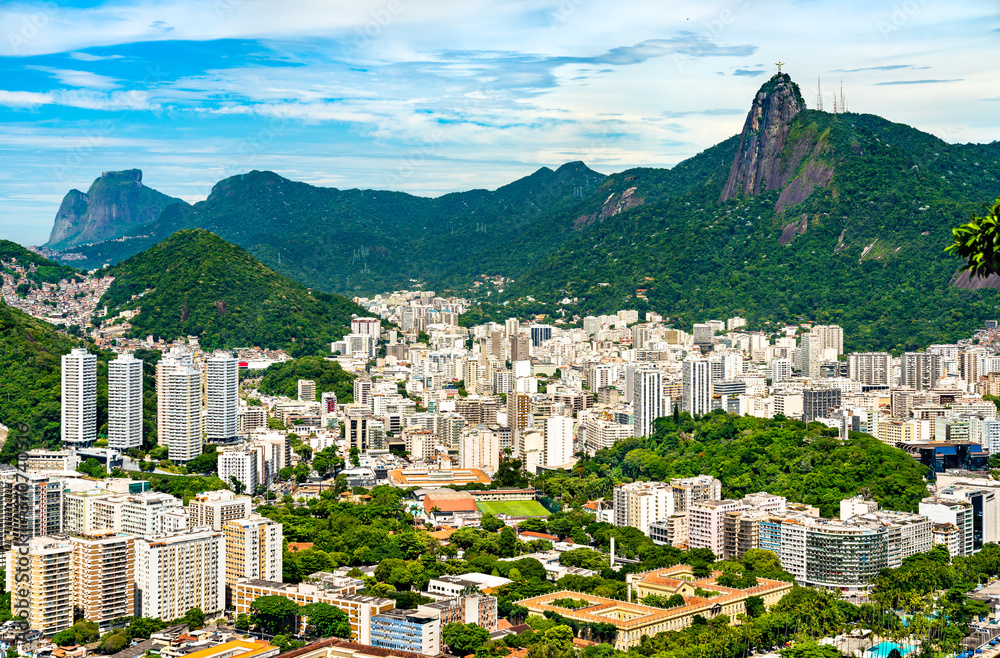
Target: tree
237, 486
114, 642
65, 638
325, 620
978, 242
242, 621
491, 523
755, 606
464, 639
274, 614
355, 456
507, 544
194, 618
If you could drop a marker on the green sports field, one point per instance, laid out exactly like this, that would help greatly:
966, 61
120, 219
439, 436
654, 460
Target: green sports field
513, 508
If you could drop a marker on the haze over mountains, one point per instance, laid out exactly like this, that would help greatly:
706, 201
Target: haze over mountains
834, 217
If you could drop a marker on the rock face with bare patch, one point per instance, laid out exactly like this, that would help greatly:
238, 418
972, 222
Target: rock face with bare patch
757, 166
614, 205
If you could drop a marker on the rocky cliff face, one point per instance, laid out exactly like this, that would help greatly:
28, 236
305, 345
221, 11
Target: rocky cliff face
115, 202
758, 165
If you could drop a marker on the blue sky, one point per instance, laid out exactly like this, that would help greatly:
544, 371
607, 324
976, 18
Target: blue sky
434, 96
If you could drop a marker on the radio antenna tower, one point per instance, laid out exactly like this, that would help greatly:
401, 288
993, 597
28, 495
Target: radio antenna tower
843, 103
819, 94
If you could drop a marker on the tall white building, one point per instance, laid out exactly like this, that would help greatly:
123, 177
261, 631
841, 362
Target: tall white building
366, 327
781, 370
241, 464
125, 402
174, 573
639, 504
79, 398
175, 360
558, 440
696, 386
479, 448
222, 383
181, 420
647, 400
870, 367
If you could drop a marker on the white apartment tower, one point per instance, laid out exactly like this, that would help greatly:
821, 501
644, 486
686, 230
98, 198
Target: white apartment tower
181, 421
872, 368
175, 360
558, 440
696, 386
647, 400
125, 402
79, 398
781, 370
222, 397
174, 573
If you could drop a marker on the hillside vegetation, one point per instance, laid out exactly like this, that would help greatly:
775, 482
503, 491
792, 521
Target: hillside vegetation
196, 283
805, 463
45, 270
283, 378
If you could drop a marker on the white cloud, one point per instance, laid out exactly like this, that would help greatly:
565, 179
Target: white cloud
87, 57
73, 78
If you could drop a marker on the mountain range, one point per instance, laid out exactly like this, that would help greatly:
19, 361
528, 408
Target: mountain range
804, 215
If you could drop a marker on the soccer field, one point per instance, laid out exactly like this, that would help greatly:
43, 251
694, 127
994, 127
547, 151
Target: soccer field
513, 508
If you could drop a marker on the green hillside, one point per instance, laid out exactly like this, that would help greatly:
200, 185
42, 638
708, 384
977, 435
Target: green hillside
196, 283
30, 360
45, 270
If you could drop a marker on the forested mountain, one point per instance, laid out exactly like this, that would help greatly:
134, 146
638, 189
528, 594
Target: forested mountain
837, 218
360, 240
196, 283
115, 203
853, 234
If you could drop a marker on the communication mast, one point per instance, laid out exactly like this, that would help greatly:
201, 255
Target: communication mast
819, 94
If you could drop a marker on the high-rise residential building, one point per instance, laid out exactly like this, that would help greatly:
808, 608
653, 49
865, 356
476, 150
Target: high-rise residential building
140, 512
817, 402
363, 391
222, 384
479, 448
253, 549
520, 347
647, 400
919, 370
688, 491
174, 573
367, 327
831, 337
125, 402
958, 514
176, 359
40, 582
182, 423
103, 568
240, 464
781, 370
558, 440
79, 398
597, 433
31, 505
810, 353
704, 334
870, 368
307, 390
540, 333
696, 386
639, 504
328, 402
706, 523
214, 508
